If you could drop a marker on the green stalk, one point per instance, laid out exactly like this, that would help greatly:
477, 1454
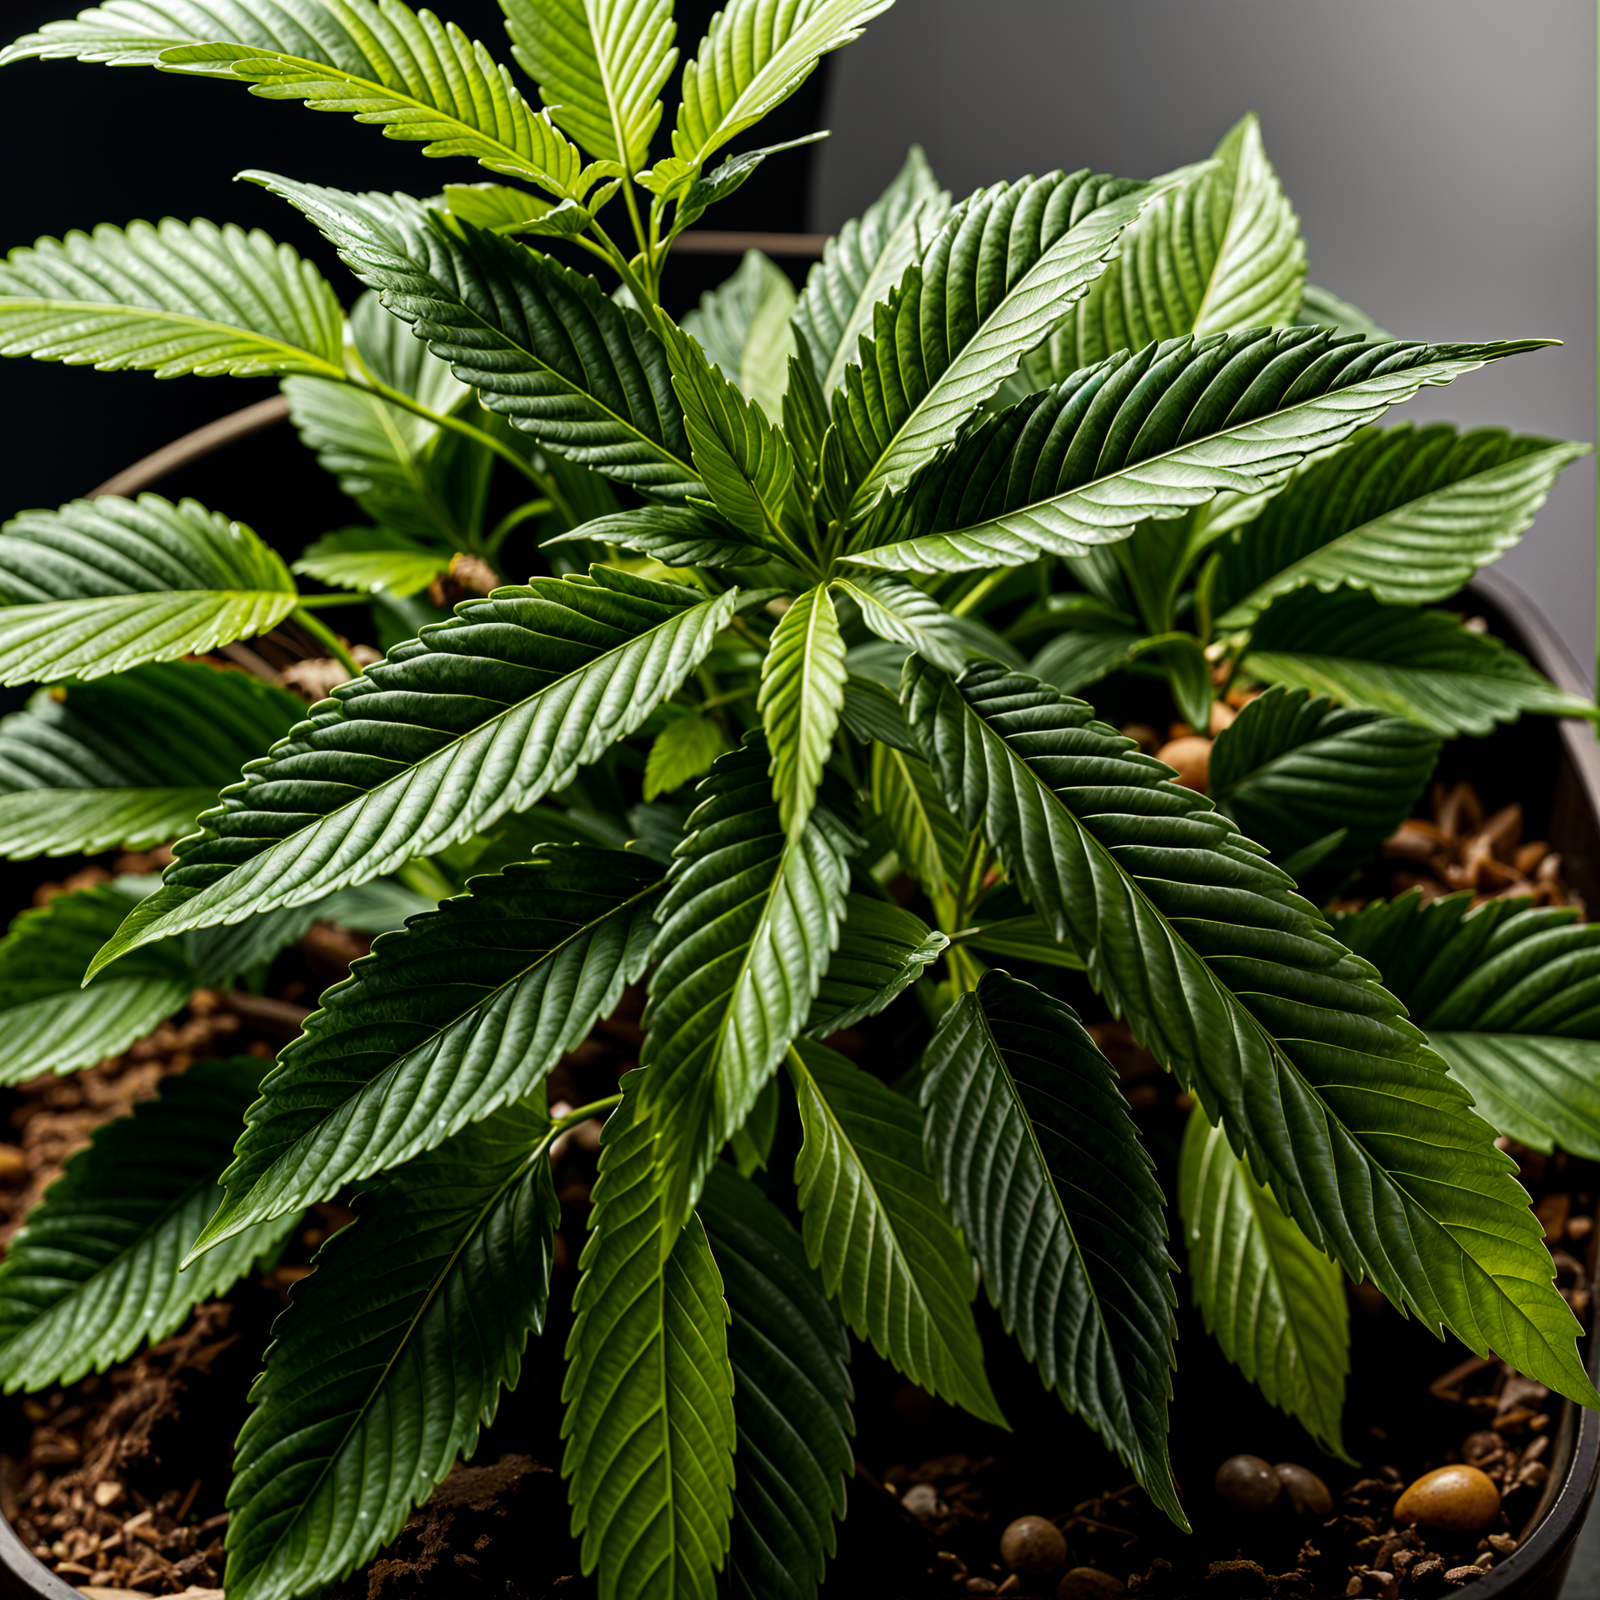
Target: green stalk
315, 626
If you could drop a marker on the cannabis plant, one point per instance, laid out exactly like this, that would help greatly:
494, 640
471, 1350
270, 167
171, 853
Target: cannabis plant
783, 728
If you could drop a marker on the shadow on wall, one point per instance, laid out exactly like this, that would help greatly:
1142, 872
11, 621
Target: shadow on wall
1441, 154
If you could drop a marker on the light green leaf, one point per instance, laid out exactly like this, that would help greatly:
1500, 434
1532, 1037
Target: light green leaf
1234, 983
172, 299
897, 610
463, 1012
1071, 1246
743, 326
883, 950
927, 837
682, 751
373, 560
1291, 769
1273, 1302
1409, 513
600, 66
357, 1417
748, 924
94, 1273
130, 761
487, 714
1419, 664
103, 585
875, 1226
791, 1396
802, 689
1147, 436
48, 1023
1509, 996
539, 342
502, 209
649, 1388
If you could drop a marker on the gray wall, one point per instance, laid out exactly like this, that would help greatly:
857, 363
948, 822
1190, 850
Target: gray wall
1441, 154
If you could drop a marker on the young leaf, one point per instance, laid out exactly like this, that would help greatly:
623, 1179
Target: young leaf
883, 950
897, 610
391, 1356
94, 1273
1291, 769
875, 1226
862, 264
676, 536
48, 1023
1147, 435
1419, 664
1220, 253
748, 923
539, 342
743, 326
1509, 996
791, 1395
373, 560
682, 751
754, 57
802, 689
103, 585
649, 1388
1234, 983
961, 319
600, 66
171, 299
463, 1012
1273, 1302
929, 840
1071, 1244
130, 761
492, 710
1409, 513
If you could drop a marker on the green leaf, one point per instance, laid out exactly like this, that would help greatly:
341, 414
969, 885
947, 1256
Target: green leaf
929, 840
502, 209
897, 610
1419, 664
462, 1013
961, 319
802, 689
872, 714
743, 326
1026, 938
719, 183
540, 343
1220, 253
485, 715
862, 264
391, 1356
792, 1396
875, 1226
1320, 309
94, 1273
1234, 983
682, 751
103, 585
1292, 769
883, 950
1509, 996
1409, 513
1071, 1246
649, 1387
1274, 1303
393, 463
676, 536
172, 299
1079, 657
748, 924
1188, 673
600, 66
1147, 436
373, 560
130, 761
47, 1022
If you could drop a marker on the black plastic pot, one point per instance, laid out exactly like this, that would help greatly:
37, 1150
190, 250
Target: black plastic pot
1547, 1540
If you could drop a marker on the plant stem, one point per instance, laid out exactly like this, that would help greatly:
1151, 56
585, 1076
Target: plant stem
514, 519
314, 625
981, 590
318, 602
583, 1113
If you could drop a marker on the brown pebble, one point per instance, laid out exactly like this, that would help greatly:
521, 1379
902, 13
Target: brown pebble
1306, 1491
1191, 756
1033, 1546
1088, 1583
1428, 1567
1248, 1483
1457, 1499
13, 1164
1580, 1227
1142, 735
1463, 1574
981, 1586
1502, 1544
923, 1502
1484, 1445
1222, 715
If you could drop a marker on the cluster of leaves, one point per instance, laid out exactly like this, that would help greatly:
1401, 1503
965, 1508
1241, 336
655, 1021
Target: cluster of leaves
820, 577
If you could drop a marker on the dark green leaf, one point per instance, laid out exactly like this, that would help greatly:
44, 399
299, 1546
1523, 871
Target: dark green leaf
883, 950
676, 536
930, 841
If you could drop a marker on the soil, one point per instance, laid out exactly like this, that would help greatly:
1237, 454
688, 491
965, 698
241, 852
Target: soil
121, 1484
